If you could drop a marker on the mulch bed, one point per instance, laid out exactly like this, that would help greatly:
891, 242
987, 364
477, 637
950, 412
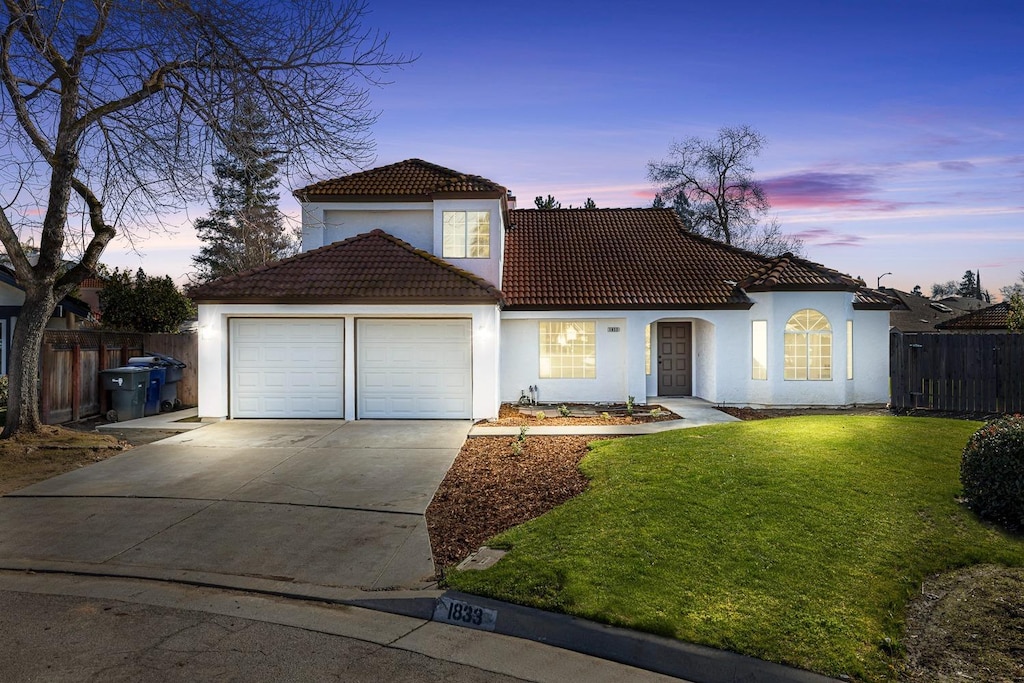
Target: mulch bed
582, 414
490, 489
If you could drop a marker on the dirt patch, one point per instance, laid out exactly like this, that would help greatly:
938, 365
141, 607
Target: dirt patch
27, 459
581, 414
967, 625
490, 488
771, 413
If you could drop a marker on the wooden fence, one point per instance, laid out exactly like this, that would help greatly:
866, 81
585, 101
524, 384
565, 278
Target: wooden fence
978, 373
71, 361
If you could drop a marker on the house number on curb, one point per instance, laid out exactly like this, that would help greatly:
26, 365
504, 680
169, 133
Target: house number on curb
460, 613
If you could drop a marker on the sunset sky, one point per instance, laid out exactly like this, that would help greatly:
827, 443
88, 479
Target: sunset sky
895, 129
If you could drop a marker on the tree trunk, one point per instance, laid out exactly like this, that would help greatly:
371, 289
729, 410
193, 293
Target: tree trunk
23, 363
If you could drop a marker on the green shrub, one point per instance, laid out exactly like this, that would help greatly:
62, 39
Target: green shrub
992, 471
4, 390
564, 411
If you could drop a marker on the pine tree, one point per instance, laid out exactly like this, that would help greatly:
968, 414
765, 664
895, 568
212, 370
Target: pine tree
244, 229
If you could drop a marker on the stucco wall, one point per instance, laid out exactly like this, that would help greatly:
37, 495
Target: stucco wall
520, 361
413, 226
214, 345
722, 354
418, 223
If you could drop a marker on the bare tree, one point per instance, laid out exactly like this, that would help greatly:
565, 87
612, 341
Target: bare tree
112, 109
711, 185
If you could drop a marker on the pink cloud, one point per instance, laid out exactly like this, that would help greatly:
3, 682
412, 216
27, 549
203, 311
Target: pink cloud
815, 188
825, 237
959, 166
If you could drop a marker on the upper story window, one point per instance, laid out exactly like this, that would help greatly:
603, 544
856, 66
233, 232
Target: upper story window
808, 346
467, 234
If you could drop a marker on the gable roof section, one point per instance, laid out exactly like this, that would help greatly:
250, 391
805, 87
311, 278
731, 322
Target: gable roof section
409, 180
373, 267
644, 258
995, 317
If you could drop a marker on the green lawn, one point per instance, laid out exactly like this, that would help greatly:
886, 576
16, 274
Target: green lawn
797, 540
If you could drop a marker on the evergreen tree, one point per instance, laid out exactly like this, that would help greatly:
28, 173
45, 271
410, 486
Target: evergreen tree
969, 286
244, 230
143, 304
589, 204
549, 203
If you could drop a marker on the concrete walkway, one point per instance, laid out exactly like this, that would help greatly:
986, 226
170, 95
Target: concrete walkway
695, 412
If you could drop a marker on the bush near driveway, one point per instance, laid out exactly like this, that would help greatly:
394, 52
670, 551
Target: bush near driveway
797, 540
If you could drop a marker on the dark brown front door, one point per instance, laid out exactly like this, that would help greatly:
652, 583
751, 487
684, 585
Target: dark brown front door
674, 361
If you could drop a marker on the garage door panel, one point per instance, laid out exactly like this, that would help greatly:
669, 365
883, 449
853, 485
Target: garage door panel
283, 368
414, 368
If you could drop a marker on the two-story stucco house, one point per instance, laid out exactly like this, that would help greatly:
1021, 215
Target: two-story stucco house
421, 292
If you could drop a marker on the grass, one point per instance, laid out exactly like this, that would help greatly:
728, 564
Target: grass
796, 540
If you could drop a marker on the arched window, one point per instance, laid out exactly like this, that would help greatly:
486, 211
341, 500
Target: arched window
808, 346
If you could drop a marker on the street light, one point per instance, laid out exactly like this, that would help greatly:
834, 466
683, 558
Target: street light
878, 281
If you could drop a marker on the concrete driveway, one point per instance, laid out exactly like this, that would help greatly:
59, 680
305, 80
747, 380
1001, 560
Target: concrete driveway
325, 502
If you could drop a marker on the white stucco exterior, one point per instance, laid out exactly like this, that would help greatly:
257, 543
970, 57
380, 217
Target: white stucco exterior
418, 223
721, 354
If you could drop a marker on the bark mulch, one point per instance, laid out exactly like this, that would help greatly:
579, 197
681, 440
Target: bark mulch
490, 489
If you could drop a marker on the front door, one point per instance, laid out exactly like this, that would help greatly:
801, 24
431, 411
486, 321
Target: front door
674, 362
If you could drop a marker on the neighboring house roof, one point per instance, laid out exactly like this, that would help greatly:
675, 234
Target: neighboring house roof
645, 258
995, 317
412, 179
963, 303
373, 267
913, 313
72, 304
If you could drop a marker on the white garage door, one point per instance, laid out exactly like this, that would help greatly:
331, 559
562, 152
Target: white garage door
415, 369
287, 367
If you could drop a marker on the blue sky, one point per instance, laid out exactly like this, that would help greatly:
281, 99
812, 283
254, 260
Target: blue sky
895, 129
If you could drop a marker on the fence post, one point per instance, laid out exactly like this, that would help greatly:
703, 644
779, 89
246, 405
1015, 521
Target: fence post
76, 381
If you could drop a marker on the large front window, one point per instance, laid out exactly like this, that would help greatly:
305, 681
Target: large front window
467, 234
808, 346
568, 350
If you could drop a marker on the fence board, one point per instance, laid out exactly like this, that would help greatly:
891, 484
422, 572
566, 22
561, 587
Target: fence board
979, 373
71, 361
184, 347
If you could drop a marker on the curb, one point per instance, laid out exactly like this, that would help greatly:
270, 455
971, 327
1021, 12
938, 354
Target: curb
697, 663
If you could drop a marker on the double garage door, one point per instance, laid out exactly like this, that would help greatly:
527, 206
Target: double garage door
405, 369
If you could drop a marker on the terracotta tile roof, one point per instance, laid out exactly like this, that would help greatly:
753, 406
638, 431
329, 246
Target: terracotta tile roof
643, 258
995, 317
405, 180
374, 267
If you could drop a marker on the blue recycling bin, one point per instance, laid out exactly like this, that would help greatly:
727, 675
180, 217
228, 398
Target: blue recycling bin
165, 373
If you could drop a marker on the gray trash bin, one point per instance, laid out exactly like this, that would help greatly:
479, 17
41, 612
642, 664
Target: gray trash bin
171, 370
127, 387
